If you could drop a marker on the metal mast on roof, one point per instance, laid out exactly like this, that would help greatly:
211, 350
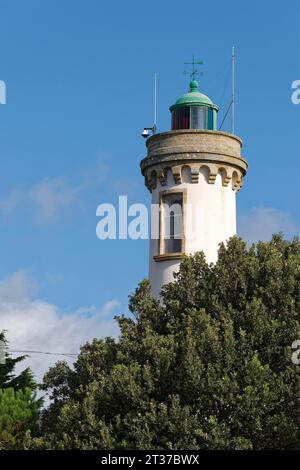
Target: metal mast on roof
233, 91
155, 103
153, 129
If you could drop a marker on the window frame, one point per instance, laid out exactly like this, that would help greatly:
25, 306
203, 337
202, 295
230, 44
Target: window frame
162, 256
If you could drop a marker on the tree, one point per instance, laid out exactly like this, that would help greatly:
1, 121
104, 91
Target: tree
8, 379
19, 411
19, 405
209, 367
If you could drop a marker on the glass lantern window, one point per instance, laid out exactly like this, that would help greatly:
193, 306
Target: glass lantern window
193, 117
198, 117
181, 118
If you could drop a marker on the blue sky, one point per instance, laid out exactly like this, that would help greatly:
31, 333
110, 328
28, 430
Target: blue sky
79, 77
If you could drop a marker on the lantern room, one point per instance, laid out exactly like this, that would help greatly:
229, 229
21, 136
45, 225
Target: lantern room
194, 110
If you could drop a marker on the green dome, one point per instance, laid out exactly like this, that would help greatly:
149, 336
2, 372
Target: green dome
193, 98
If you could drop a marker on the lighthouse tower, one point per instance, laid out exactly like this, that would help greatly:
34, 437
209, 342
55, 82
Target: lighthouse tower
193, 173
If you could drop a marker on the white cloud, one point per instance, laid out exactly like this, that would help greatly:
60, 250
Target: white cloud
11, 201
94, 176
18, 288
33, 324
51, 197
260, 223
47, 200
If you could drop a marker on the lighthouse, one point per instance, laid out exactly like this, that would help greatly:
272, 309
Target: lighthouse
193, 173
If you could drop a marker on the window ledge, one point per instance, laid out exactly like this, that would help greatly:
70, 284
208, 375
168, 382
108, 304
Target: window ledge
168, 257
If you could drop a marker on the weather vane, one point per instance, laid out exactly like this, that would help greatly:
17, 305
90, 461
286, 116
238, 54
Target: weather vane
194, 70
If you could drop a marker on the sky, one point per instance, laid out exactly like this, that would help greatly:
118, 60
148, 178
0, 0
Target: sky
79, 90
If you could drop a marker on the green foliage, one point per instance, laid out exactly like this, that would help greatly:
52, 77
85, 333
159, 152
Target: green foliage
18, 417
207, 368
19, 406
7, 377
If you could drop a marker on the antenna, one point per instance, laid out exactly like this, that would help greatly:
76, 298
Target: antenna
153, 129
155, 103
233, 91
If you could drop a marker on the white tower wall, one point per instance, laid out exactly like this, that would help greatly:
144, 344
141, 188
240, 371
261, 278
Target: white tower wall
207, 168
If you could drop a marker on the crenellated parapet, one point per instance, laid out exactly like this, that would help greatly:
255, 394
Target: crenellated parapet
184, 154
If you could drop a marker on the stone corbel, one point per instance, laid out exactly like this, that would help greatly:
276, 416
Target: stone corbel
195, 174
151, 180
162, 176
226, 181
148, 183
213, 172
237, 183
176, 171
240, 184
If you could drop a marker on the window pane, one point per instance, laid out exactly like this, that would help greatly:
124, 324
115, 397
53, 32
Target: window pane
181, 118
212, 119
198, 117
172, 223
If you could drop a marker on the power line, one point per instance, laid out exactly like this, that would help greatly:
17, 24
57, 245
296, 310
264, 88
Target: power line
43, 352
